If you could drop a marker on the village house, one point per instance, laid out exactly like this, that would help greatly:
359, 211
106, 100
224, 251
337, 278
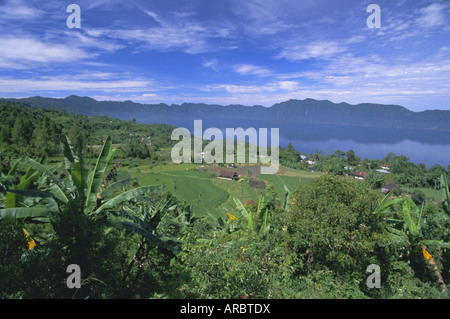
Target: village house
358, 174
389, 187
228, 175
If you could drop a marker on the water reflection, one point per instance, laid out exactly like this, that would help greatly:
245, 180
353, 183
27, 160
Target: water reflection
420, 146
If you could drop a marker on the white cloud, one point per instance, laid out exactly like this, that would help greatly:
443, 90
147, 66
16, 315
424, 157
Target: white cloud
276, 86
23, 52
211, 64
91, 39
19, 10
75, 83
433, 16
177, 31
315, 50
250, 69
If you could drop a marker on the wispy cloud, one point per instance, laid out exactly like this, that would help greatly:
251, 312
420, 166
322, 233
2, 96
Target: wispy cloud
213, 64
315, 50
434, 15
19, 10
23, 52
250, 69
177, 32
84, 82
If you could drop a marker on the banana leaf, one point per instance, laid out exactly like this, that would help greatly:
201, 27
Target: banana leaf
406, 213
96, 177
20, 213
13, 199
69, 156
393, 237
244, 212
126, 196
287, 199
385, 204
58, 193
117, 186
165, 241
438, 243
41, 168
78, 176
30, 193
13, 168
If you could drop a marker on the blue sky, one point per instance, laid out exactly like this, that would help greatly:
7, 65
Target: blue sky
252, 52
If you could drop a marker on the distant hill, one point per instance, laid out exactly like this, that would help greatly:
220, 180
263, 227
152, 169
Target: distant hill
285, 113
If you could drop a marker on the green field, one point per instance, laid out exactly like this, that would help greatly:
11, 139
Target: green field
291, 182
192, 186
197, 185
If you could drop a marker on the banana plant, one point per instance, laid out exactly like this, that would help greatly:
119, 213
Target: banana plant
150, 222
5, 181
147, 221
406, 228
262, 215
19, 197
51, 193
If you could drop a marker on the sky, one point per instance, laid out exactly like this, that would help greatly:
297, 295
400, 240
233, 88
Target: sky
252, 52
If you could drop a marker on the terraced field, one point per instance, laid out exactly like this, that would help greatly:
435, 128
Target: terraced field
199, 185
192, 186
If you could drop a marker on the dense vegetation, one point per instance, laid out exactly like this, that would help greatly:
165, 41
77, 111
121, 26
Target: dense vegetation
141, 241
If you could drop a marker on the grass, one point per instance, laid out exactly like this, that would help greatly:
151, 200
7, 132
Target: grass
192, 186
239, 189
198, 185
433, 194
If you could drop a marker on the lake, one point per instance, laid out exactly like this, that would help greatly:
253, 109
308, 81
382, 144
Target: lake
420, 146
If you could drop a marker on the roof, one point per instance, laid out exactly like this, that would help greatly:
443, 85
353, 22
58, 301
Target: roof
390, 186
227, 174
359, 173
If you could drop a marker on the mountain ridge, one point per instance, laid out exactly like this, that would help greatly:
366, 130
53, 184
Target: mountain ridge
291, 111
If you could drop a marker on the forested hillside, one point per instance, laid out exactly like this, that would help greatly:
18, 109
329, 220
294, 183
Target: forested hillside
36, 131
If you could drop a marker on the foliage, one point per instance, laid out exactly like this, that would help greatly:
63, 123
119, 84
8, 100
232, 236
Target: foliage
332, 226
78, 215
406, 229
134, 241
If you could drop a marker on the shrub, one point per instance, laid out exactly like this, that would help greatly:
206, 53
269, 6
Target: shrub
331, 225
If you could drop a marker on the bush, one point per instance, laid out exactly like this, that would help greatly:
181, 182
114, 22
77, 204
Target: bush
331, 225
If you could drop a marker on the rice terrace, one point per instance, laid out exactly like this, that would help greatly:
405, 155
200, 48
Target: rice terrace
200, 186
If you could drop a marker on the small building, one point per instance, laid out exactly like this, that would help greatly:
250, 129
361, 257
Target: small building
389, 187
229, 175
383, 171
358, 174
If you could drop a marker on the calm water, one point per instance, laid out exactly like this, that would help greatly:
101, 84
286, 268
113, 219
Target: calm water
420, 146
